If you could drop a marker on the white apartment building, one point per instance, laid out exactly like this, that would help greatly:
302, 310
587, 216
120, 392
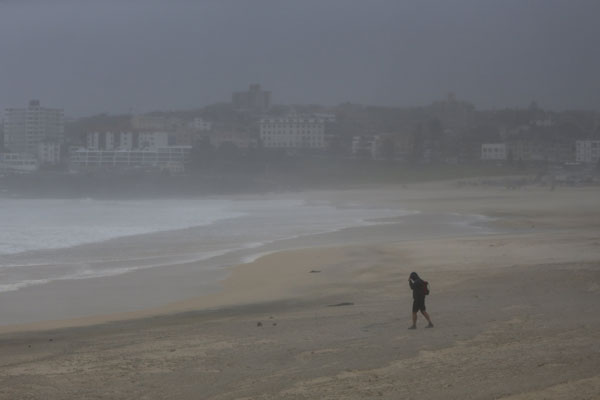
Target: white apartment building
48, 153
152, 140
293, 132
366, 145
493, 151
25, 128
18, 162
109, 140
587, 151
126, 140
201, 125
171, 158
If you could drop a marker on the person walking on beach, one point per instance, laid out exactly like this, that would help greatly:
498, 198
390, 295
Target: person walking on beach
419, 288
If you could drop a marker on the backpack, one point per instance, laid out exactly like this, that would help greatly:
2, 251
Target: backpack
425, 288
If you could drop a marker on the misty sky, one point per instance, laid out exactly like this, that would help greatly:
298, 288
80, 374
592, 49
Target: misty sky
120, 56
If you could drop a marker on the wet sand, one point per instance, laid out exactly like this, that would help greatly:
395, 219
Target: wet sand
167, 267
516, 315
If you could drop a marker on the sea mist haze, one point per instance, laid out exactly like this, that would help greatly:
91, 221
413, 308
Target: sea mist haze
226, 199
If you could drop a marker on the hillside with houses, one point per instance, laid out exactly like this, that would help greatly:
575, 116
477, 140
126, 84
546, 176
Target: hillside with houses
250, 136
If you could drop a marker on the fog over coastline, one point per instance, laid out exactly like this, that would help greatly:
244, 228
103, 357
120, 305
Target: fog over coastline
299, 199
137, 56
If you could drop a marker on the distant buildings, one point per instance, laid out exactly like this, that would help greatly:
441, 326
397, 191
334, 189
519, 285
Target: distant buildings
179, 131
587, 151
18, 162
240, 140
254, 99
367, 146
172, 159
49, 153
129, 150
544, 122
294, 131
126, 140
32, 137
447, 131
151, 122
536, 147
109, 140
200, 125
152, 140
26, 128
327, 117
493, 152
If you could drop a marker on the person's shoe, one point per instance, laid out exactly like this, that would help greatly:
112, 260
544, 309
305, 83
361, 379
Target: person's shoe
429, 326
413, 327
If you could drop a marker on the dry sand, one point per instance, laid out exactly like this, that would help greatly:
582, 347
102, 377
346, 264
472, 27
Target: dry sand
517, 316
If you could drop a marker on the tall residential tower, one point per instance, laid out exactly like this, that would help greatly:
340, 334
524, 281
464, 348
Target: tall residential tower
26, 128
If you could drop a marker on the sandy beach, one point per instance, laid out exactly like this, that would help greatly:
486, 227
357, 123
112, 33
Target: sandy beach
516, 314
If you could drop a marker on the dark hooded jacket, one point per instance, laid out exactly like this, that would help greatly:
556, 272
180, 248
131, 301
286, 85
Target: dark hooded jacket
417, 285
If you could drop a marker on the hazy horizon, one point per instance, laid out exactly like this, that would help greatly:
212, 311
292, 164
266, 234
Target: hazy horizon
92, 57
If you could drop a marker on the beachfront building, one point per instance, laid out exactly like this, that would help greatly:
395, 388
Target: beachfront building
126, 140
114, 151
526, 150
168, 158
294, 131
587, 151
539, 150
493, 152
368, 146
109, 140
241, 140
49, 153
25, 128
18, 162
152, 140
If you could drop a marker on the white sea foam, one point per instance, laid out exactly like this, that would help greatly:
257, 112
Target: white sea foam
11, 287
253, 257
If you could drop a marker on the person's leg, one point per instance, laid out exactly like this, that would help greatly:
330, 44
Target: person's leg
426, 315
414, 321
415, 310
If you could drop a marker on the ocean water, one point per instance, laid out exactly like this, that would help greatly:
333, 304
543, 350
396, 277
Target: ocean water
49, 224
43, 240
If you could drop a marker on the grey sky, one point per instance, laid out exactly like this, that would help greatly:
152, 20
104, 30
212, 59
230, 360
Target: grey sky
112, 56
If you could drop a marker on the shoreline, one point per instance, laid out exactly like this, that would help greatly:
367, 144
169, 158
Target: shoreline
238, 289
184, 276
157, 302
516, 316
